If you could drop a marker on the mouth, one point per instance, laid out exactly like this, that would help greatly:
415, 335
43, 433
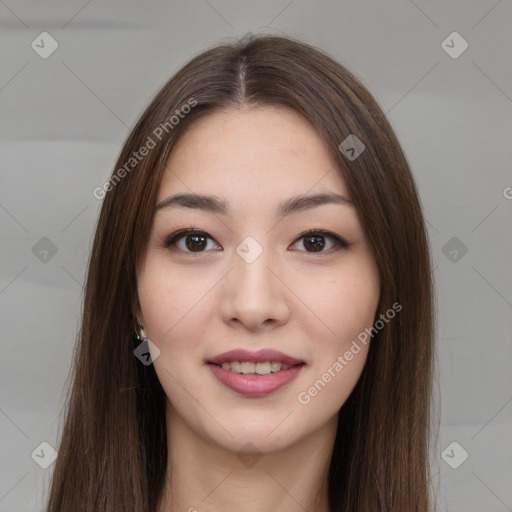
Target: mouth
255, 373
251, 368
262, 362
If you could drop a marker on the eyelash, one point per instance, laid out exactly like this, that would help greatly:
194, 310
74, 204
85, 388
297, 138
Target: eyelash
182, 233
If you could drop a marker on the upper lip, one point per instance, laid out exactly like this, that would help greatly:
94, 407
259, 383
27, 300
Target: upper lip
261, 356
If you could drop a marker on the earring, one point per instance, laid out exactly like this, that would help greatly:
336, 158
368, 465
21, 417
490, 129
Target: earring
140, 334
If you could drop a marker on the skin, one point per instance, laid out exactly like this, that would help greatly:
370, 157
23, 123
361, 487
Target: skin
310, 305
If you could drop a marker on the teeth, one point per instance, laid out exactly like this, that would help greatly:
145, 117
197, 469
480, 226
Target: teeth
236, 367
263, 368
275, 366
248, 368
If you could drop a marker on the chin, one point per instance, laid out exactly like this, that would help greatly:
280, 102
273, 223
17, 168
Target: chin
253, 441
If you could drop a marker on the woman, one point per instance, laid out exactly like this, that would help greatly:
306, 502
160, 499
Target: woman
258, 318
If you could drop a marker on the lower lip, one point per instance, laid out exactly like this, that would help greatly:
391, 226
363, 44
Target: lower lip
255, 385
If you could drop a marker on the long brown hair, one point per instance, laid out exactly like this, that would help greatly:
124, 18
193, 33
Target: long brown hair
113, 447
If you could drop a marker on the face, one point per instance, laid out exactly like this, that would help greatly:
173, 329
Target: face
282, 283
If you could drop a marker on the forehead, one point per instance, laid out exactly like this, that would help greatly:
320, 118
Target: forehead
251, 152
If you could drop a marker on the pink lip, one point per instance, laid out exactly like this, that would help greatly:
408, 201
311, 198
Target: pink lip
261, 356
255, 385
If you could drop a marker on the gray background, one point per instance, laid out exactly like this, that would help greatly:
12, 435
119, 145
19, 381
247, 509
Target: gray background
64, 119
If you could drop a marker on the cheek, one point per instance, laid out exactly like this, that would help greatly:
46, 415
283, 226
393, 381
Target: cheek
344, 304
166, 295
174, 311
347, 305
173, 306
340, 355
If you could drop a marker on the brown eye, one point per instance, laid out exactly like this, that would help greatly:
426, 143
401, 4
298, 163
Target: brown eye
189, 240
316, 241
195, 242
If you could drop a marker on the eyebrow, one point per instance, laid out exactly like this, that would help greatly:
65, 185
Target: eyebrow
216, 205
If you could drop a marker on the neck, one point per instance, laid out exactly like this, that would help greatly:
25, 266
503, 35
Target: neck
203, 476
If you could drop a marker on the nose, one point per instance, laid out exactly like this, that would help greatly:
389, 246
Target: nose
253, 295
